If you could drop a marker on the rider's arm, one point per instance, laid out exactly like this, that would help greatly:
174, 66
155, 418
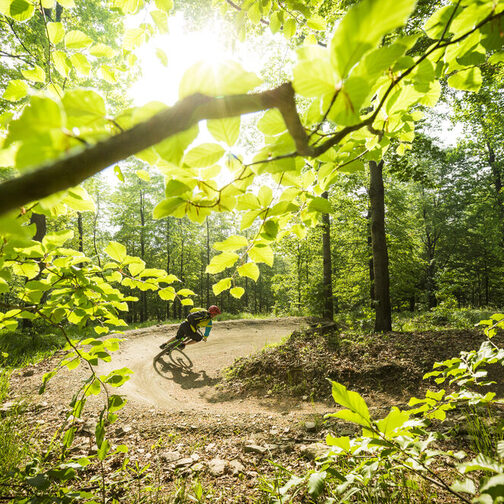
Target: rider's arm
208, 328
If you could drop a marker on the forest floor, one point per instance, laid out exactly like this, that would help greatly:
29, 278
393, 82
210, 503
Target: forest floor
205, 430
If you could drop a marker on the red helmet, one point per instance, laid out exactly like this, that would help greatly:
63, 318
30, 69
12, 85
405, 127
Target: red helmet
214, 310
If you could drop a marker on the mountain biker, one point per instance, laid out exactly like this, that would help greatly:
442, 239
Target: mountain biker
190, 326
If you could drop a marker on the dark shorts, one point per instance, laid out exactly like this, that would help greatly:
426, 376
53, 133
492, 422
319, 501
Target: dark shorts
185, 330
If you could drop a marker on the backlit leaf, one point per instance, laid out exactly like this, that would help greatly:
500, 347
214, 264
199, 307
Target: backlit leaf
250, 270
116, 251
205, 154
214, 80
56, 32
77, 39
225, 130
221, 286
221, 262
358, 32
37, 74
261, 253
237, 292
16, 89
231, 243
466, 80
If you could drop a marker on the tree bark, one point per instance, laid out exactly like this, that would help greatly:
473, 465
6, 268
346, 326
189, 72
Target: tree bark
383, 315
328, 312
372, 295
208, 262
144, 314
167, 261
81, 232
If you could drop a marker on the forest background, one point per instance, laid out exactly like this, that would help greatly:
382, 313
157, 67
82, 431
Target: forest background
344, 197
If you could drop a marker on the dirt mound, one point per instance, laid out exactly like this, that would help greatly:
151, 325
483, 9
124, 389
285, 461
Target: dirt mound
393, 363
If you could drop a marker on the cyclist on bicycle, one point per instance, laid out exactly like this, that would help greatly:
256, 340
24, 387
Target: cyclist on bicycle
190, 326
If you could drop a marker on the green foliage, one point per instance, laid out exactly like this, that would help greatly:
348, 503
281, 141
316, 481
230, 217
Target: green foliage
393, 454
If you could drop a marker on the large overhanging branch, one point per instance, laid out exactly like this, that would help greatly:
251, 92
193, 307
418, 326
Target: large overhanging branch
74, 169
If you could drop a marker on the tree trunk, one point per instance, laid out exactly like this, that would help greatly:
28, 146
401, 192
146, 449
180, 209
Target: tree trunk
181, 263
168, 238
144, 314
95, 220
81, 232
372, 296
208, 262
328, 311
497, 181
383, 316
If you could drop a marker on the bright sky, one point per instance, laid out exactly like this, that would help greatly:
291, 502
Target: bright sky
184, 48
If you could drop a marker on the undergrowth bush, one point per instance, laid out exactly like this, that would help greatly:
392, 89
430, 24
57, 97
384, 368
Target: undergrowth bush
404, 457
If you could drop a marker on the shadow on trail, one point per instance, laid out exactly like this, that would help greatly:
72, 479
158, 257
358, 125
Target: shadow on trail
177, 366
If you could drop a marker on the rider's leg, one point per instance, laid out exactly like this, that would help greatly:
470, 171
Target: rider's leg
181, 333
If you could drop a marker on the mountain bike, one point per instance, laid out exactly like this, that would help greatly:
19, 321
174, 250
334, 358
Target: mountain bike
173, 355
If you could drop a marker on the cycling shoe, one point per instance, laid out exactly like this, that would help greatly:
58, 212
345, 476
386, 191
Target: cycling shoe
163, 346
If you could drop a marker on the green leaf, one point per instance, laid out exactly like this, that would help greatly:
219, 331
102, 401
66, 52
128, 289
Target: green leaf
79, 199
320, 205
313, 75
272, 123
162, 57
102, 51
77, 39
261, 253
108, 74
165, 5
341, 442
133, 38
226, 78
250, 270
466, 80
187, 302
62, 63
231, 243
83, 107
317, 22
494, 487
160, 19
221, 262
167, 294
168, 206
237, 292
81, 64
118, 377
115, 403
289, 28
116, 251
143, 175
57, 238
480, 463
37, 74
136, 268
351, 400
316, 483
29, 269
358, 32
392, 422
203, 155
21, 10
221, 286
466, 486
16, 89
56, 32
225, 130
42, 115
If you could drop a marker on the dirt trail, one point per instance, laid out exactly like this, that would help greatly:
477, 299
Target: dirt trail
186, 380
